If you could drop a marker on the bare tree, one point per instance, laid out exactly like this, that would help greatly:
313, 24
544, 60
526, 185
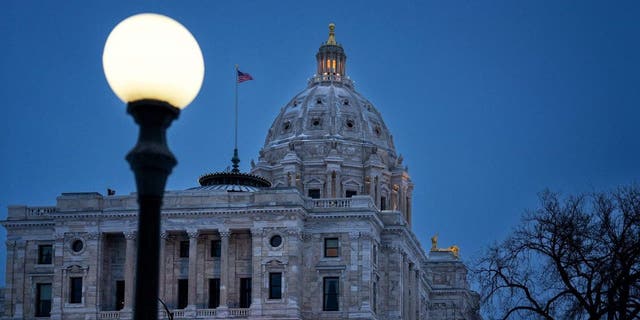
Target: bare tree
572, 258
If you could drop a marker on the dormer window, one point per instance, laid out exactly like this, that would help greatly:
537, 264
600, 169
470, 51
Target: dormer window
345, 102
318, 101
350, 123
286, 126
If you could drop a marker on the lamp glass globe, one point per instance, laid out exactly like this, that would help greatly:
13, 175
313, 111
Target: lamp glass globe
151, 56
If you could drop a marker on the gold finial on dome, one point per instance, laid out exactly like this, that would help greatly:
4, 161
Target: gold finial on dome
332, 35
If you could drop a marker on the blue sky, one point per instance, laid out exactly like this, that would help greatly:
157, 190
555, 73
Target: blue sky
489, 102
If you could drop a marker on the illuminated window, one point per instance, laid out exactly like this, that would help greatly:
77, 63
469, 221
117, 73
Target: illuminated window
328, 64
331, 249
334, 65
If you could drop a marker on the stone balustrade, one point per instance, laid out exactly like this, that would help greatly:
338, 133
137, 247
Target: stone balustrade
242, 312
363, 201
203, 313
109, 315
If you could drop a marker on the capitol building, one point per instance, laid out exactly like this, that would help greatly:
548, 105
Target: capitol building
319, 229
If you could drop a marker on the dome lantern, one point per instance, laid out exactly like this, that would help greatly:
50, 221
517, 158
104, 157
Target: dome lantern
331, 59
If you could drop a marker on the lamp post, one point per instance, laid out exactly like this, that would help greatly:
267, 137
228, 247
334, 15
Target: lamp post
155, 65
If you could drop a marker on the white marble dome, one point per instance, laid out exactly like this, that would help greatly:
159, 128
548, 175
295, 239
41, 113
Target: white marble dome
329, 141
330, 110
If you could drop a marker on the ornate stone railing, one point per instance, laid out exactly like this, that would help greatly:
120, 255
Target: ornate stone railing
330, 78
239, 312
329, 203
178, 313
206, 313
109, 315
39, 211
364, 201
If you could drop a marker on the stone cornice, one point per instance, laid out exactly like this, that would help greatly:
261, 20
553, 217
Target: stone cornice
28, 223
414, 245
365, 215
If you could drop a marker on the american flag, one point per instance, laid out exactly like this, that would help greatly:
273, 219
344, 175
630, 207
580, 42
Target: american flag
242, 76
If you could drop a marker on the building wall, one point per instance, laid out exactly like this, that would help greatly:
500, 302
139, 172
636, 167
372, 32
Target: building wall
376, 249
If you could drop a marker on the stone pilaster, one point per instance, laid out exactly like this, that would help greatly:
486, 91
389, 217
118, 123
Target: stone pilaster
10, 285
163, 270
93, 278
294, 280
224, 267
58, 280
193, 269
366, 272
256, 271
393, 282
352, 273
129, 270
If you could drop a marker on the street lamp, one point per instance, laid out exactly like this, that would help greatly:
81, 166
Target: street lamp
155, 65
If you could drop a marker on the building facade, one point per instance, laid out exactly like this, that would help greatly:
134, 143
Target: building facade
324, 234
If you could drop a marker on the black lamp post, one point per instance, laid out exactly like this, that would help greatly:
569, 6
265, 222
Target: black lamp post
155, 65
151, 162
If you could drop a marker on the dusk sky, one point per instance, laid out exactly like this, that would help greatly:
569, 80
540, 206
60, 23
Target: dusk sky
489, 102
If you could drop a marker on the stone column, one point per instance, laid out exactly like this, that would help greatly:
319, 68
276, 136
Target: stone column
193, 274
224, 266
163, 270
129, 269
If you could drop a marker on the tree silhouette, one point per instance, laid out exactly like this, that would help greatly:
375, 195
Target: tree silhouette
576, 257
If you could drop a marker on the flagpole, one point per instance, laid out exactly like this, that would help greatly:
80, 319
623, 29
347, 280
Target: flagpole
235, 160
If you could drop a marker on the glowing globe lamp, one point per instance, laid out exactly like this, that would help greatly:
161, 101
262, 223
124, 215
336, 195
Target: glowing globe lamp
151, 56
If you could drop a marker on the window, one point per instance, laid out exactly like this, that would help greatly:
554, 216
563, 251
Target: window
383, 203
314, 193
184, 249
119, 294
275, 285
75, 290
331, 291
215, 248
374, 299
375, 254
45, 254
77, 246
275, 241
43, 299
214, 293
183, 293
245, 292
351, 193
331, 247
